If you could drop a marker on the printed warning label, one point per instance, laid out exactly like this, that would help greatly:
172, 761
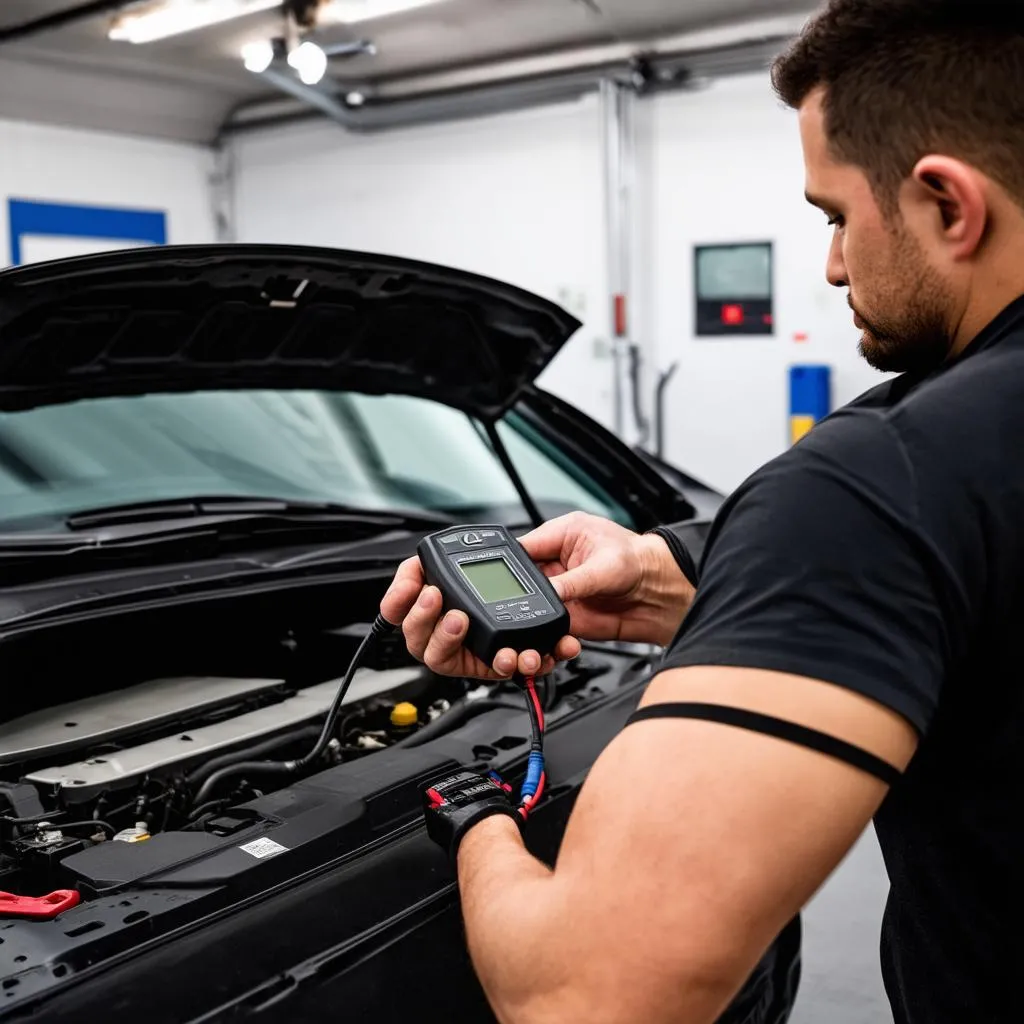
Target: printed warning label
261, 848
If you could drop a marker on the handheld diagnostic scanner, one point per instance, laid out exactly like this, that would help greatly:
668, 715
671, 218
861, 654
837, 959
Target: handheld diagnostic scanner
484, 572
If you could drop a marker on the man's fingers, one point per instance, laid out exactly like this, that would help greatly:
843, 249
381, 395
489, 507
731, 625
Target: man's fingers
532, 664
545, 543
419, 623
444, 646
404, 590
399, 600
529, 663
505, 663
568, 648
577, 584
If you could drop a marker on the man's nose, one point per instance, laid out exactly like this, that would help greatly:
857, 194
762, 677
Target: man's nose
835, 271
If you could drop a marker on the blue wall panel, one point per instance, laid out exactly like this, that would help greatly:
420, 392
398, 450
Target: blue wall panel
29, 217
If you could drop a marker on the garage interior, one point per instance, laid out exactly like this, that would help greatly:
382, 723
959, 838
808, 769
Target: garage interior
584, 150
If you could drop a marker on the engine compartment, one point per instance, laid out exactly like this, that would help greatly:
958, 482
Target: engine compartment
130, 752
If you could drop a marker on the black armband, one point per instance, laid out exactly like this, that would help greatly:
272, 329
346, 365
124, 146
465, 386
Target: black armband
680, 553
788, 731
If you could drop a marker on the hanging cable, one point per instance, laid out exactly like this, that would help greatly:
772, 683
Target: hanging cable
379, 628
536, 777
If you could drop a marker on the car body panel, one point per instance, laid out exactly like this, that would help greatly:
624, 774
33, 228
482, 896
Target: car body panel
214, 317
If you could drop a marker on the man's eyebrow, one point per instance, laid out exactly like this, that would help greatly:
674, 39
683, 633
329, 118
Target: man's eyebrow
818, 201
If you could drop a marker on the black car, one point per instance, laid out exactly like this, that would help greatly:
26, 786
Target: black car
212, 460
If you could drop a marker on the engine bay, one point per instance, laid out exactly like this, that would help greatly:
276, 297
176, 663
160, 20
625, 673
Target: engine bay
137, 758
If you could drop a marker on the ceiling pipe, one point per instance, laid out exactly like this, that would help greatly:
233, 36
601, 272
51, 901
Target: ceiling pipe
321, 98
59, 19
474, 90
388, 106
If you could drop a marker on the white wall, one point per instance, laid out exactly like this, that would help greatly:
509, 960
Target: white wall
517, 197
62, 165
725, 165
520, 197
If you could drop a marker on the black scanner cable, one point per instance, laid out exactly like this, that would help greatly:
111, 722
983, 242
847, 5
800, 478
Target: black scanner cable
533, 785
381, 627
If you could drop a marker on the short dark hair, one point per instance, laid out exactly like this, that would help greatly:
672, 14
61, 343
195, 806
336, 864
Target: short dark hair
905, 78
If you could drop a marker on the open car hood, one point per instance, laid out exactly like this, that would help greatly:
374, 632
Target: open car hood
215, 317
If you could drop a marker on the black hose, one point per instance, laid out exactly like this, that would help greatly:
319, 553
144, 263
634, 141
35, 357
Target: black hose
210, 805
64, 826
32, 820
381, 627
452, 719
38, 822
202, 773
242, 768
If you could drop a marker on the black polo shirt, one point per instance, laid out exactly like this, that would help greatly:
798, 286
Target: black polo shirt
885, 553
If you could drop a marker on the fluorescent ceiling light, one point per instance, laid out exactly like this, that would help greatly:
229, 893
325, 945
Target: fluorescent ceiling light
173, 17
350, 11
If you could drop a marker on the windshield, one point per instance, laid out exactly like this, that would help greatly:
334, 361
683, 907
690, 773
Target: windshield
388, 453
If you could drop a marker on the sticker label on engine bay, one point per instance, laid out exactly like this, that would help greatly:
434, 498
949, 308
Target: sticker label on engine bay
261, 848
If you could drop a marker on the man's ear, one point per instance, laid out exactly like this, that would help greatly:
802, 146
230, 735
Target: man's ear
958, 194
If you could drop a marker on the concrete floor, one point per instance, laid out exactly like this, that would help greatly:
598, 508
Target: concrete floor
842, 980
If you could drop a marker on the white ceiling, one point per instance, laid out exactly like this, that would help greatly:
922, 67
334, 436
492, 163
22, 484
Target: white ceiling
184, 87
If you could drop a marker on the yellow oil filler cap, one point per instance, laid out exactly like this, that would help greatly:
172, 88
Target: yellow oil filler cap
404, 716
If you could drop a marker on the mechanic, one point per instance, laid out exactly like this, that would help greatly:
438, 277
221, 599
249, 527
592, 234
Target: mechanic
860, 601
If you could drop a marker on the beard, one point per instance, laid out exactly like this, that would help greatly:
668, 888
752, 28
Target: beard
917, 339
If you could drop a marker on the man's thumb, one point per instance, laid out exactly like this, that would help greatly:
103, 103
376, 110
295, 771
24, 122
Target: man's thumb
575, 585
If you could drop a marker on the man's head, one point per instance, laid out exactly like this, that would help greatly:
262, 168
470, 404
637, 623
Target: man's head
912, 120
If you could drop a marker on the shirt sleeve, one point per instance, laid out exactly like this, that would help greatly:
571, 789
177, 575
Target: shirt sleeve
820, 566
679, 538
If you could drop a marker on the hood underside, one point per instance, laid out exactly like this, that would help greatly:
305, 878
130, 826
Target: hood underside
218, 317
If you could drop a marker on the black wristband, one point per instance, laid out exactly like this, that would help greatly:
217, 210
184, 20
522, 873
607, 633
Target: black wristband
458, 802
679, 552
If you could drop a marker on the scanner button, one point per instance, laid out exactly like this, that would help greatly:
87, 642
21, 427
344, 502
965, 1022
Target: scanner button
471, 539
504, 618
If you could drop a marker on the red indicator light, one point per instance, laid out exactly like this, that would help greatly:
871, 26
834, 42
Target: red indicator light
621, 327
768, 320
732, 315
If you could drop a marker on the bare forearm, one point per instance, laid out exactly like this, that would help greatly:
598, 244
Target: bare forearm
511, 910
540, 963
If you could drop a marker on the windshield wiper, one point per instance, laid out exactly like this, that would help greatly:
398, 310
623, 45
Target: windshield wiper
223, 522
243, 508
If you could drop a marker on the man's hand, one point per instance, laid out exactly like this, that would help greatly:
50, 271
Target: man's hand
615, 584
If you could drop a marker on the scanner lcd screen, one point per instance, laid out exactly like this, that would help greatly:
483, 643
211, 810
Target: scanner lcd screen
493, 580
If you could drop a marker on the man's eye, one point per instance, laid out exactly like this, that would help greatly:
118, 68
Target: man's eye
836, 222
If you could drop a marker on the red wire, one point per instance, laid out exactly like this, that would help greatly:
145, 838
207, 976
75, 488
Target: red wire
531, 688
531, 801
540, 789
